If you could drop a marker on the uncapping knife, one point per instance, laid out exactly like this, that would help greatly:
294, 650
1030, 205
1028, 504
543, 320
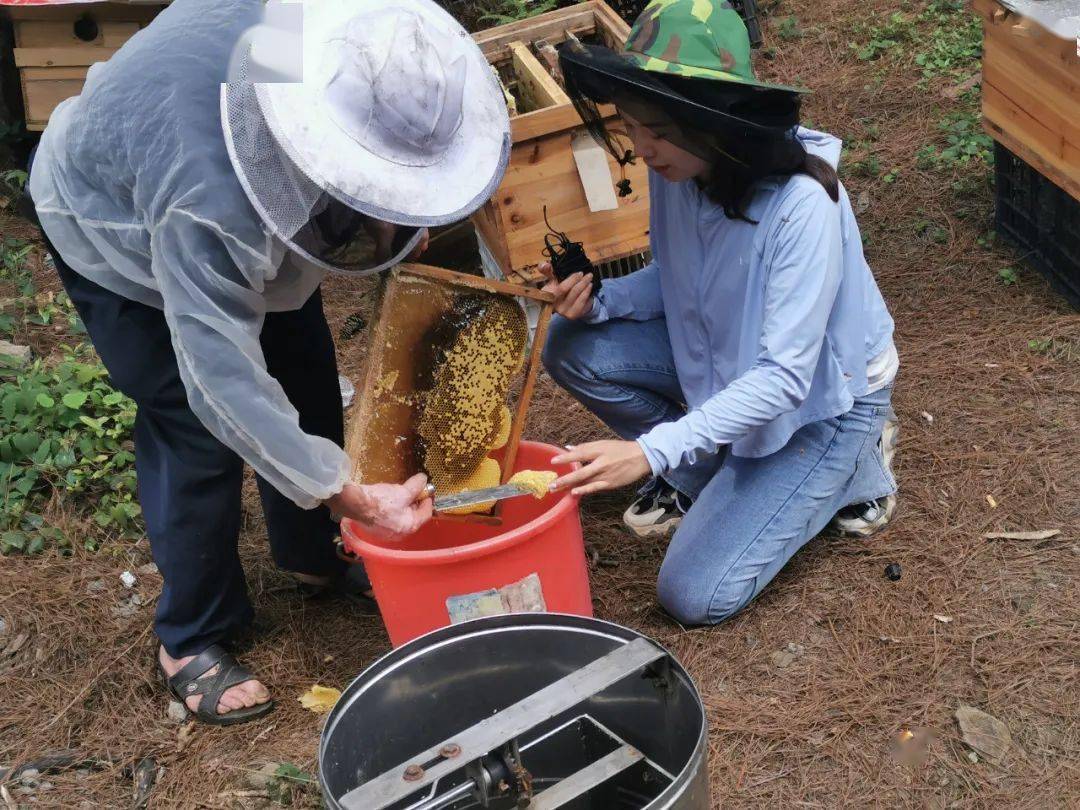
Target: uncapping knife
472, 497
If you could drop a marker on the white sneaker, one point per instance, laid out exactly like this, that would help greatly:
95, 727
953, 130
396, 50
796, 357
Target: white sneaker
866, 519
657, 511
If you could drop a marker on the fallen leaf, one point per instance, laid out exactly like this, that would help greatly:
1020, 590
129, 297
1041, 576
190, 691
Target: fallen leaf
943, 619
984, 732
1044, 534
990, 500
16, 644
929, 417
320, 699
183, 736
259, 778
783, 659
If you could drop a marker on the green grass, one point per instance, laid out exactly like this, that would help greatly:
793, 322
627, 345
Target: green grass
63, 429
945, 37
788, 28
500, 12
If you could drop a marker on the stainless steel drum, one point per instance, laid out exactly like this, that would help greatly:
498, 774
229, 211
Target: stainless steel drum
536, 711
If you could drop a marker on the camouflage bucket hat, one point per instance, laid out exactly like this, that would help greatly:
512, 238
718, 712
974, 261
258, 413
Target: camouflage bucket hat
702, 39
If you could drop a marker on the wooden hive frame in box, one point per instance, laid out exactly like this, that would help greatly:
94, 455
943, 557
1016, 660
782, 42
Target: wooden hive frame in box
383, 421
542, 170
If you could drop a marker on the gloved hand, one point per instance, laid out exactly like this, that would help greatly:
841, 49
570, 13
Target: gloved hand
386, 510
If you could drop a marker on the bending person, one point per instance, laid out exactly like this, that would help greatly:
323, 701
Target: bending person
192, 214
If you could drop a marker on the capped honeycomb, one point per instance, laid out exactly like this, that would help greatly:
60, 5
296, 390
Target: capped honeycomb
464, 414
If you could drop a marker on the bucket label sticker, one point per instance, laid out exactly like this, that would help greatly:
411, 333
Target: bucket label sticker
524, 596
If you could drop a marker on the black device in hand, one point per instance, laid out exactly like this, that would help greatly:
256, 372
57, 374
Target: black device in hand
567, 257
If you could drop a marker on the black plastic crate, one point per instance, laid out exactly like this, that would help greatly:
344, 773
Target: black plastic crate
617, 268
1041, 219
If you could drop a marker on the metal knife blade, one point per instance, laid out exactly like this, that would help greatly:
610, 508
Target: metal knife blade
475, 496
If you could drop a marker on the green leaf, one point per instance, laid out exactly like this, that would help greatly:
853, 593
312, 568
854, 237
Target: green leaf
85, 373
75, 399
26, 443
115, 398
95, 424
13, 541
45, 401
25, 483
37, 545
32, 522
41, 456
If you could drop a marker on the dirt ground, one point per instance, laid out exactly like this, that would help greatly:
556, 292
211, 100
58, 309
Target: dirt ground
994, 624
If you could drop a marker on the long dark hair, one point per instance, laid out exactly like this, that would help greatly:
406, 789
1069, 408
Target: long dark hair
728, 184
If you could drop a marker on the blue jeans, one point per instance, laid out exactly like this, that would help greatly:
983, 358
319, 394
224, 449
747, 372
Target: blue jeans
750, 515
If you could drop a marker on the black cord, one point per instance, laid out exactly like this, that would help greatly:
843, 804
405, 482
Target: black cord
567, 257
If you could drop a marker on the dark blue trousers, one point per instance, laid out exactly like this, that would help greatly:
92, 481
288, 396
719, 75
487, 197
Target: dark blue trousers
189, 482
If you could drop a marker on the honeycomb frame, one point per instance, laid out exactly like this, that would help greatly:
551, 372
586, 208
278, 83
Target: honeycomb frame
412, 298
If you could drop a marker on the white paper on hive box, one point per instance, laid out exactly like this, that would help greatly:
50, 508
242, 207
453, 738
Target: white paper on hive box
592, 166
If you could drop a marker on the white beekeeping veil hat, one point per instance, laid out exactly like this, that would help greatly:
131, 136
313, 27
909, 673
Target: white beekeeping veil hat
397, 118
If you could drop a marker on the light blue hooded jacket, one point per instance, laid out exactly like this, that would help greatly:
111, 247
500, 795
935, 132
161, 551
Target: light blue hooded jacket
772, 325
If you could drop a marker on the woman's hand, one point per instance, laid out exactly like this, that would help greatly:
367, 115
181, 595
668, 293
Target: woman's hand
607, 465
386, 510
573, 295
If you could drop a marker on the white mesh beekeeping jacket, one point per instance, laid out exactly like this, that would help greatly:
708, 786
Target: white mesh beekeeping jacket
134, 187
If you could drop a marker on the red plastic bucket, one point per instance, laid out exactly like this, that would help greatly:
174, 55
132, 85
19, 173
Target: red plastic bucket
452, 571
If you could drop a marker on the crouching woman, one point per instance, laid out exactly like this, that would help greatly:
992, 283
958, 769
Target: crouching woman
748, 368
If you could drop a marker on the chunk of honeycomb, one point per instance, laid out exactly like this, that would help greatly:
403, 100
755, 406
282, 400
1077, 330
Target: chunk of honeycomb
503, 436
486, 475
538, 482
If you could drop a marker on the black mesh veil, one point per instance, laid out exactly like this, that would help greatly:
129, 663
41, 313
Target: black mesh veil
750, 126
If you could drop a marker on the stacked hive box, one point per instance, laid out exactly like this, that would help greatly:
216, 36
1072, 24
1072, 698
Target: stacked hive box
1031, 107
542, 170
55, 45
1031, 93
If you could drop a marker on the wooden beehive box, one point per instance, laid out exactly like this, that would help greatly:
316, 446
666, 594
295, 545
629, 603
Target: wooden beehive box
1031, 93
542, 168
55, 45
